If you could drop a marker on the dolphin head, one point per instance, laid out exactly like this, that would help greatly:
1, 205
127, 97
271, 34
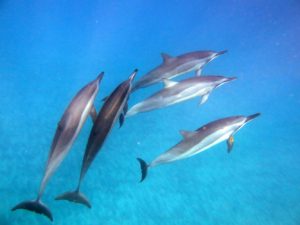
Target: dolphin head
99, 77
206, 56
214, 55
224, 80
96, 82
221, 52
132, 76
127, 84
93, 87
228, 79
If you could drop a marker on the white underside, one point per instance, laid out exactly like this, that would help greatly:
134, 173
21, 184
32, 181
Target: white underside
187, 67
189, 93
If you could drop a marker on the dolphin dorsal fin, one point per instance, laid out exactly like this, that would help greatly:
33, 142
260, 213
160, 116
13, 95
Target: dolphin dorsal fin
169, 83
187, 134
166, 57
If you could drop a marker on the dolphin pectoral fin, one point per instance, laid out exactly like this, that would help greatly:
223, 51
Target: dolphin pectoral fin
121, 119
230, 142
93, 113
75, 196
186, 134
204, 98
35, 206
198, 72
125, 109
144, 168
169, 83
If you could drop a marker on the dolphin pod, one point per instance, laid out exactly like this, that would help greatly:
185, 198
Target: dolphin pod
197, 141
115, 107
175, 92
174, 66
67, 131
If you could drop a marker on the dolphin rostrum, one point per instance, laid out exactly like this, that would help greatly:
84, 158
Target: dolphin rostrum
67, 130
175, 92
175, 66
197, 141
114, 107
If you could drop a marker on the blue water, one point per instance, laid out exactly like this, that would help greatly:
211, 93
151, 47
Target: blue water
50, 49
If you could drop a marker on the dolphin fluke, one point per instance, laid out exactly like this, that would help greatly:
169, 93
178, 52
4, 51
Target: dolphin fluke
75, 196
144, 168
251, 117
35, 206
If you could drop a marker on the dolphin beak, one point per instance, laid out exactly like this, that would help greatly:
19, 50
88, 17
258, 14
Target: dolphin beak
100, 76
221, 52
251, 117
132, 76
231, 79
225, 80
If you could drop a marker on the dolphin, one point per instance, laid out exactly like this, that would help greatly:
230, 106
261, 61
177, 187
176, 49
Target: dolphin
67, 131
175, 92
113, 108
175, 66
197, 141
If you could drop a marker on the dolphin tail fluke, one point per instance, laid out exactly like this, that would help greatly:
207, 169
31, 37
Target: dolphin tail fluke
75, 196
251, 117
35, 206
144, 168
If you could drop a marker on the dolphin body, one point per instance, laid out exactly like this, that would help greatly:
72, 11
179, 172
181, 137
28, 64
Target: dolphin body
175, 92
114, 108
197, 141
175, 66
67, 131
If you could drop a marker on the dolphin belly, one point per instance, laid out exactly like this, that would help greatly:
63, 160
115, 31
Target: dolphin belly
166, 98
213, 139
190, 66
189, 93
208, 142
187, 67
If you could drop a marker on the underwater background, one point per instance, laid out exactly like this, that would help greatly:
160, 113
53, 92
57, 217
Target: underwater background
51, 49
